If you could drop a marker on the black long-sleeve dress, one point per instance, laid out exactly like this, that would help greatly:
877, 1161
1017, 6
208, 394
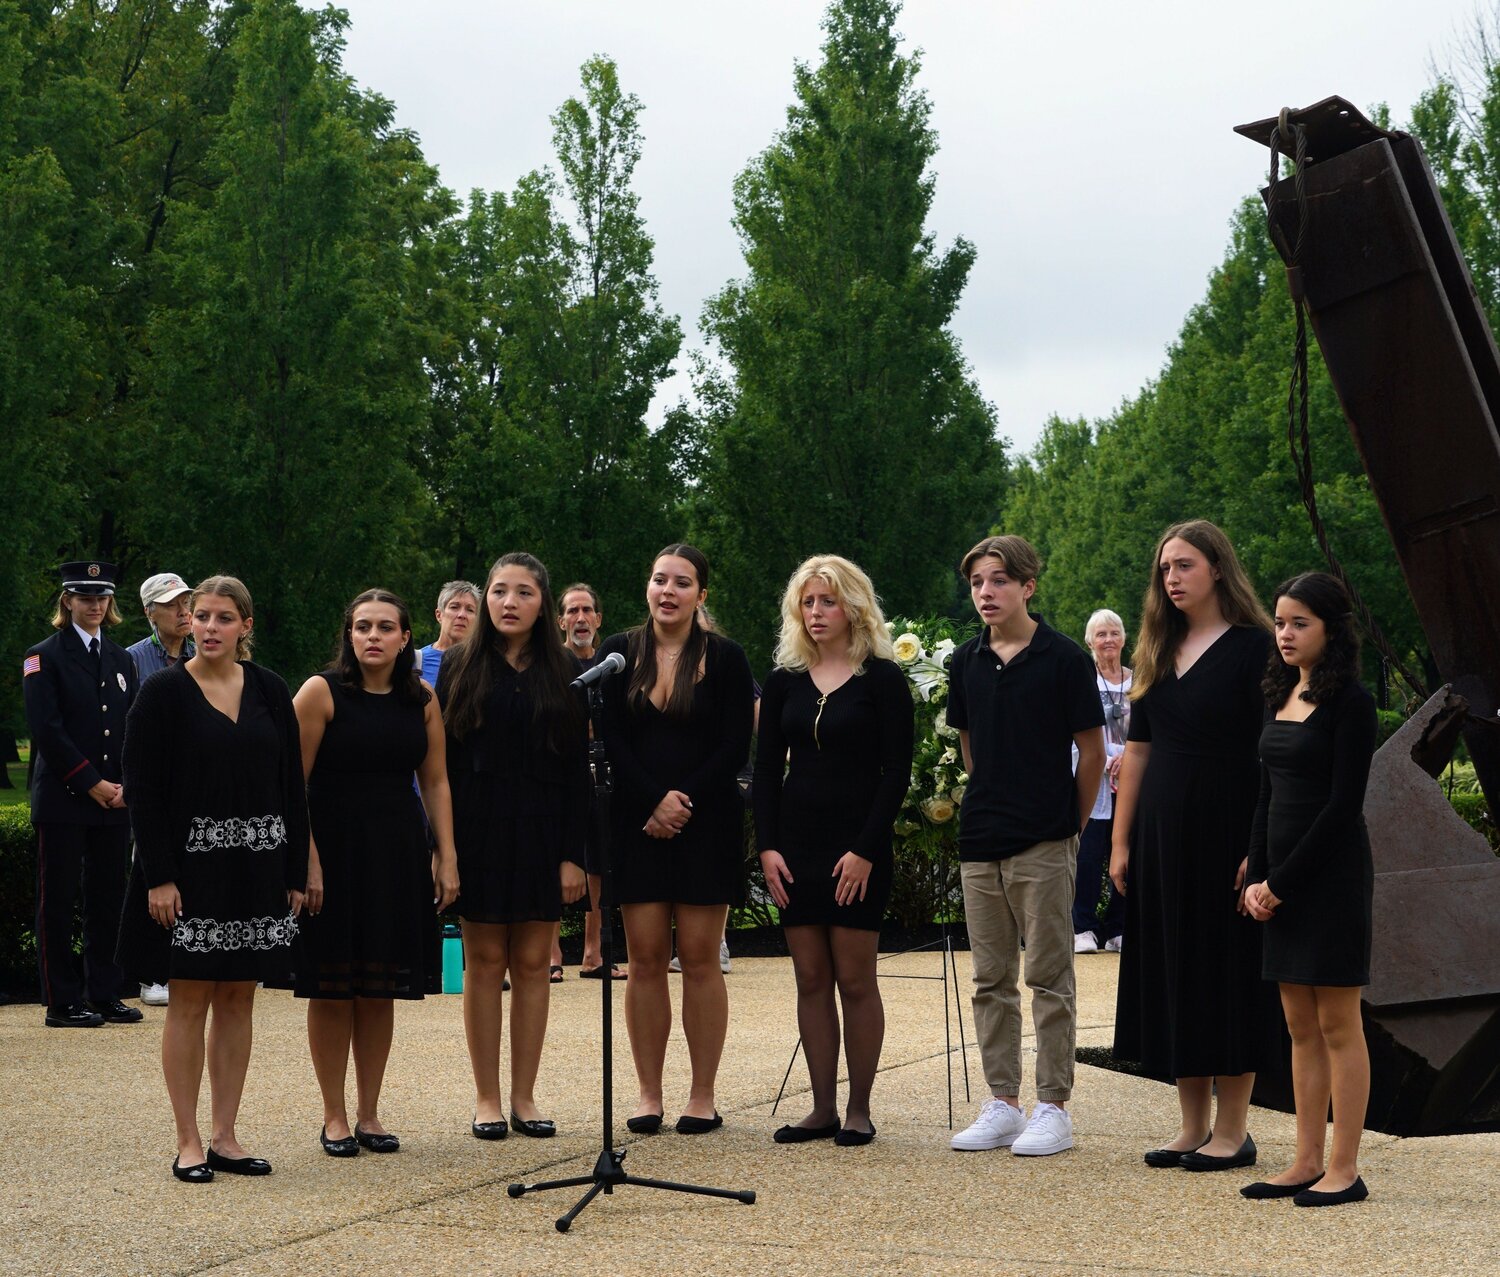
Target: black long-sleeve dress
1191, 1001
1309, 843
651, 752
831, 774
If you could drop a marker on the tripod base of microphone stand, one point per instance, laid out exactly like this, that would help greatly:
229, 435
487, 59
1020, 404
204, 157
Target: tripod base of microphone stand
609, 1172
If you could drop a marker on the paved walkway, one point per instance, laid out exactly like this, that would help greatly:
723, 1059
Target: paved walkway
85, 1146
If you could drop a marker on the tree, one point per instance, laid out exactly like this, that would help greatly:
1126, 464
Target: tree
847, 419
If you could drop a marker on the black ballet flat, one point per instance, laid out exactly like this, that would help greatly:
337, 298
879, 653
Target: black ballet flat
803, 1134
1245, 1156
346, 1147
202, 1173
238, 1165
854, 1139
1356, 1192
1168, 1158
496, 1130
687, 1125
541, 1128
1262, 1191
645, 1124
386, 1143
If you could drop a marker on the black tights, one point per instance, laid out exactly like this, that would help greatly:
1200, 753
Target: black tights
826, 958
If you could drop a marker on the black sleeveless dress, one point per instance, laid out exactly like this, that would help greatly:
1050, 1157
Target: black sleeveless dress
370, 937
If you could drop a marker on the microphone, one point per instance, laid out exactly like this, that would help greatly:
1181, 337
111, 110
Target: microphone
611, 664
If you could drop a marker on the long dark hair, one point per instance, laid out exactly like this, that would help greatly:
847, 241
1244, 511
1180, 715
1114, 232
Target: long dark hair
641, 645
406, 682
469, 668
1329, 602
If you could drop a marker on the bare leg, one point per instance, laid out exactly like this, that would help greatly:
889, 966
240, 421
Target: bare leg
1309, 1084
705, 1002
556, 958
374, 1026
1343, 1030
329, 1026
648, 1005
592, 957
485, 957
817, 1019
1195, 1099
1231, 1115
229, 1033
182, 1063
864, 1016
530, 995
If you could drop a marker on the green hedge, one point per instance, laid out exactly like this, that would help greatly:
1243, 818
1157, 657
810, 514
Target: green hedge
17, 903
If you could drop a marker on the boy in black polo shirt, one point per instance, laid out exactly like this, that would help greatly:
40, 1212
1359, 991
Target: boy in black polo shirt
1021, 695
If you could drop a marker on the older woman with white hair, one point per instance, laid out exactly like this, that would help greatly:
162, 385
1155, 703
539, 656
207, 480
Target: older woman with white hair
1104, 636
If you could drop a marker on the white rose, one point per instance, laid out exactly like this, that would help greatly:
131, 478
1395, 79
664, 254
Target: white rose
908, 648
939, 810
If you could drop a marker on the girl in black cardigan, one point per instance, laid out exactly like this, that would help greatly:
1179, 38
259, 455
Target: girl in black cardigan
213, 768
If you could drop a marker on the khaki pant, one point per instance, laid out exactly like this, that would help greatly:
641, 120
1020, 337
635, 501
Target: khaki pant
1030, 895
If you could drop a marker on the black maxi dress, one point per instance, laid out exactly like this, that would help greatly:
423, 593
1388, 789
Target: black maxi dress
1309, 843
370, 937
1191, 1001
218, 806
831, 774
651, 752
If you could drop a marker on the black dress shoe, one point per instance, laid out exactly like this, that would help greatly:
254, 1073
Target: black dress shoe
645, 1124
116, 1012
854, 1139
202, 1173
1168, 1158
238, 1165
1205, 1162
802, 1134
1262, 1191
687, 1125
541, 1128
496, 1130
1356, 1192
74, 1016
346, 1147
386, 1143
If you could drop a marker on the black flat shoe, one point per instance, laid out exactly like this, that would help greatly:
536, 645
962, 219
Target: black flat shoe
854, 1139
386, 1143
1168, 1158
1263, 1192
541, 1128
802, 1134
202, 1173
346, 1147
1204, 1162
116, 1012
698, 1125
238, 1165
496, 1130
1356, 1192
76, 1016
645, 1124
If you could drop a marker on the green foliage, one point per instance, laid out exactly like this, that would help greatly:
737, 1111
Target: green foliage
17, 902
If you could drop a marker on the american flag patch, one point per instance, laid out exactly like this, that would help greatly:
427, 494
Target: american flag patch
31, 665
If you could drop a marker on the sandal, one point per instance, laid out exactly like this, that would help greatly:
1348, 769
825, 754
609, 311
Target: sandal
597, 973
555, 974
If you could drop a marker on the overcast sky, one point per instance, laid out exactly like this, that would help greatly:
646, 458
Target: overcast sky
1086, 147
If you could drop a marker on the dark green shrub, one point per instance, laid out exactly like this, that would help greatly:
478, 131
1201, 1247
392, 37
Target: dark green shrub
17, 902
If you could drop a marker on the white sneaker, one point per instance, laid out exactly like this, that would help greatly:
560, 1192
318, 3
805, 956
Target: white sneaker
1050, 1130
997, 1125
154, 995
675, 966
1113, 946
1085, 942
724, 956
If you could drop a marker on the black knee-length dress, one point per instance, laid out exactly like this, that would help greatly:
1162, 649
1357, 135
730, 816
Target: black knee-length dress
1310, 845
217, 805
370, 937
1191, 1002
831, 773
651, 752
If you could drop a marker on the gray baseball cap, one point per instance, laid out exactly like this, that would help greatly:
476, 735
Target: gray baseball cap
163, 588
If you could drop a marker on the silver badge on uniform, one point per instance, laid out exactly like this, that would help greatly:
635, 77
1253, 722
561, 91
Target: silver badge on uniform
120, 679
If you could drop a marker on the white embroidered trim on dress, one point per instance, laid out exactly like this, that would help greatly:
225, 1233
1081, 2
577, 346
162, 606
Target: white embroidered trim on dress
208, 935
258, 833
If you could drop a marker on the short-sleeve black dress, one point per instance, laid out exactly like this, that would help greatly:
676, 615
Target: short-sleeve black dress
368, 940
1191, 1001
831, 773
651, 752
217, 807
1310, 845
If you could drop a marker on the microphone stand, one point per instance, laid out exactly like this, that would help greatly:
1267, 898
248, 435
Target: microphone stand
609, 1170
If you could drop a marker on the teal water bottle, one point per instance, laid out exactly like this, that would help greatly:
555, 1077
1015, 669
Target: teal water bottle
453, 960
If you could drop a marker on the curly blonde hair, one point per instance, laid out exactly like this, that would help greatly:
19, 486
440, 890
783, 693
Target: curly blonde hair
848, 583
